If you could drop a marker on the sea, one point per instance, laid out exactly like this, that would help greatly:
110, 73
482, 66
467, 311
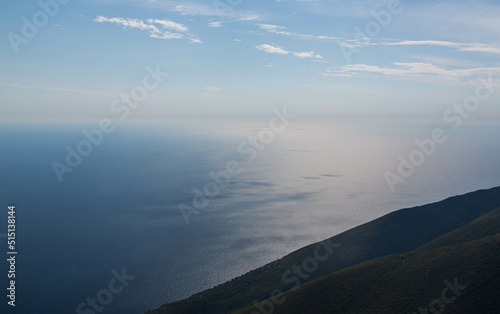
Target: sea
159, 210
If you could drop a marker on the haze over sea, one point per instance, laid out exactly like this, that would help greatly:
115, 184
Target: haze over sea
119, 208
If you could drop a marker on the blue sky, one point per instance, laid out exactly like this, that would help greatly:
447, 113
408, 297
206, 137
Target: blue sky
232, 58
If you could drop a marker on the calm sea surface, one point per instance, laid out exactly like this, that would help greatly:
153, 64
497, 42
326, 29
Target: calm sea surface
119, 208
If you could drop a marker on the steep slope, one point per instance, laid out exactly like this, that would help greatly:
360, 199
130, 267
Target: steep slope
397, 232
487, 225
405, 283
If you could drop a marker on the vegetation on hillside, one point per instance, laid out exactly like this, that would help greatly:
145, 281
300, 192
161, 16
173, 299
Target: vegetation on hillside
410, 282
395, 233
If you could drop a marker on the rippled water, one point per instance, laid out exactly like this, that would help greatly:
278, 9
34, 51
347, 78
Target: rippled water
119, 208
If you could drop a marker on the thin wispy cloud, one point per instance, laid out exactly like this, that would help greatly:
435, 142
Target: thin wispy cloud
414, 71
210, 90
222, 21
309, 54
221, 10
157, 28
249, 18
130, 23
475, 47
274, 29
169, 25
281, 30
195, 8
215, 24
274, 49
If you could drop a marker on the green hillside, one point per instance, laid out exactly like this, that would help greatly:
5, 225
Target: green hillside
398, 232
486, 225
403, 283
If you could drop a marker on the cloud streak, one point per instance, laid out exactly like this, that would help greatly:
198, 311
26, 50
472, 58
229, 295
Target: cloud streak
198, 9
426, 72
162, 29
281, 30
210, 90
274, 49
215, 24
475, 47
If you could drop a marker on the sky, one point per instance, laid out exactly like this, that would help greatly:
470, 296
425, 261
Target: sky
72, 60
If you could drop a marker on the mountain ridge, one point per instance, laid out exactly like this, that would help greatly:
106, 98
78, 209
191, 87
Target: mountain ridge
460, 261
400, 231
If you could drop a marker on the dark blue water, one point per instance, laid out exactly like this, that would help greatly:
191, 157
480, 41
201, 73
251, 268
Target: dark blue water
118, 209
